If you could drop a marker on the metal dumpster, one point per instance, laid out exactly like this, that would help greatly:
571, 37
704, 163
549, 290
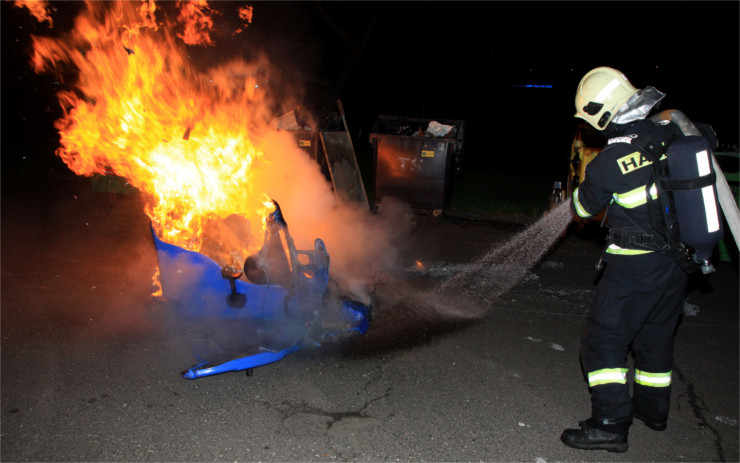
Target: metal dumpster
413, 165
331, 147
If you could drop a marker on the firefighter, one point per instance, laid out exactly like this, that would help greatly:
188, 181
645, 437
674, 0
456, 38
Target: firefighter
640, 295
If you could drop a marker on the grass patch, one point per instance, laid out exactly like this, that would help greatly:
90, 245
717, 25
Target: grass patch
485, 192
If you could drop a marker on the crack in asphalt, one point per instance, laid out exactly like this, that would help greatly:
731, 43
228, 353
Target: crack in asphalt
698, 406
288, 409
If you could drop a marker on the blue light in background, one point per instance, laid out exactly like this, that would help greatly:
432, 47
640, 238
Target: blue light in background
532, 86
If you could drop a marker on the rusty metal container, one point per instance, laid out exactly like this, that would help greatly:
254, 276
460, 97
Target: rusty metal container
412, 165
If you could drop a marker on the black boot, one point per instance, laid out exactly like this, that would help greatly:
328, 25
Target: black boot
590, 438
654, 425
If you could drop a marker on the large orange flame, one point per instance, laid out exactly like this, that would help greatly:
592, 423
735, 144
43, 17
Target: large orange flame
182, 137
197, 141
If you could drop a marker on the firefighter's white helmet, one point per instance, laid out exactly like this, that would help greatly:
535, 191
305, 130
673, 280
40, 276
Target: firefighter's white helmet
601, 94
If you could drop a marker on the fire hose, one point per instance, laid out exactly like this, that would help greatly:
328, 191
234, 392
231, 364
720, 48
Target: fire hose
725, 197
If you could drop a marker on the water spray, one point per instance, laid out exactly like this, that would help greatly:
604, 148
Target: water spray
506, 264
469, 293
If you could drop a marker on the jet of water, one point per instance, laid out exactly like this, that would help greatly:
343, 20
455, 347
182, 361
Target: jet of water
506, 264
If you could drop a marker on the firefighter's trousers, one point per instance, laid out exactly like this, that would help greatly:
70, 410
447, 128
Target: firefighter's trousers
637, 306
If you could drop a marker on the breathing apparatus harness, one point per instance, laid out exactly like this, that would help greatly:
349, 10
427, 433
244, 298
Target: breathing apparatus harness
662, 234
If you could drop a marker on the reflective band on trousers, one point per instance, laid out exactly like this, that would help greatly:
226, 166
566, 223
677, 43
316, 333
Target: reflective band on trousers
637, 197
607, 376
652, 379
582, 213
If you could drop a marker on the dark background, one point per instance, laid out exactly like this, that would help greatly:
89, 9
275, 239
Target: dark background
437, 60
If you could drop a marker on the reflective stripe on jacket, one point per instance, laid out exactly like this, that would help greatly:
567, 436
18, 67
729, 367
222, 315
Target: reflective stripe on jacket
620, 178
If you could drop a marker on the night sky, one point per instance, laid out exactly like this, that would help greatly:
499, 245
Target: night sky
441, 60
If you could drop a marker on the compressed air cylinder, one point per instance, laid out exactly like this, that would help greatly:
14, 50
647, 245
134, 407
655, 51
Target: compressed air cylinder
697, 208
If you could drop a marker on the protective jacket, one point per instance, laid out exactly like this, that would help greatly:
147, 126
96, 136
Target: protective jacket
640, 295
620, 177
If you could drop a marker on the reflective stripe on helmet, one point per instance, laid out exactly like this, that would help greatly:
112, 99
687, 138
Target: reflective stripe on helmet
607, 376
607, 90
652, 379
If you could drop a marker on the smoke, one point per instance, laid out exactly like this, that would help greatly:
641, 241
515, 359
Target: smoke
361, 245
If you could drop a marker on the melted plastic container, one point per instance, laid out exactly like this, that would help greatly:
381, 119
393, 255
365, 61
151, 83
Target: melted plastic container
234, 325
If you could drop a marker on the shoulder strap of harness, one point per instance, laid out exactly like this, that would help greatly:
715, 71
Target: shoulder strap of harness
661, 234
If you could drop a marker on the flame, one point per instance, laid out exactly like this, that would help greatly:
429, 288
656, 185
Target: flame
156, 285
196, 18
39, 9
245, 13
138, 108
419, 265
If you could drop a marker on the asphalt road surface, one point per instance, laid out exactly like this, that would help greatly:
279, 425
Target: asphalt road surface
88, 374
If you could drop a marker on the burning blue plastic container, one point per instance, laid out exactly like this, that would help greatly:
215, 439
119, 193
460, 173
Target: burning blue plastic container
234, 325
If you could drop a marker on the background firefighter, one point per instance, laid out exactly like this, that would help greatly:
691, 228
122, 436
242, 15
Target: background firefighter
641, 293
